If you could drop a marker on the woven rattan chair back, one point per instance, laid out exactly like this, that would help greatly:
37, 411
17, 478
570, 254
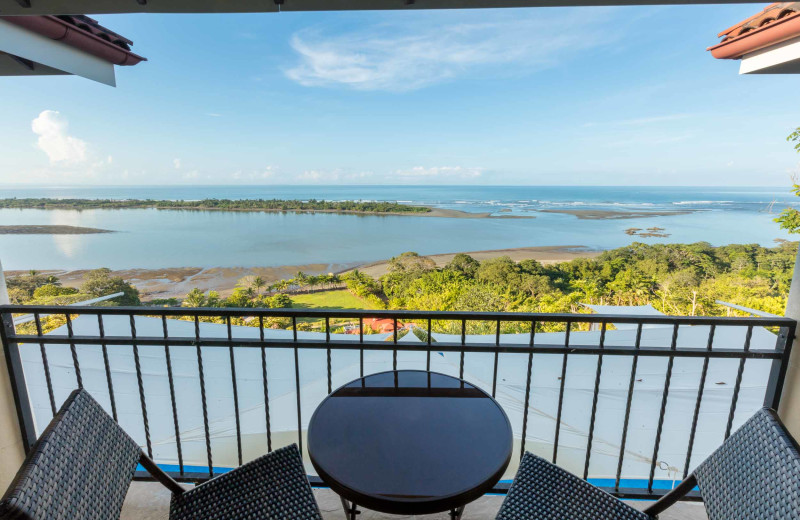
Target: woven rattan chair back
755, 474
80, 468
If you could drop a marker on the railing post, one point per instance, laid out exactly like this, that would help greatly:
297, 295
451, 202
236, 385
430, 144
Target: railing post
789, 409
13, 441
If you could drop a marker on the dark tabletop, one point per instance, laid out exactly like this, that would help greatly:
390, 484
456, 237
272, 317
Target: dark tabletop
410, 442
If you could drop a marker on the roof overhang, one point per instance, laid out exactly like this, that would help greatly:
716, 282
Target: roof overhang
31, 7
48, 45
767, 42
26, 53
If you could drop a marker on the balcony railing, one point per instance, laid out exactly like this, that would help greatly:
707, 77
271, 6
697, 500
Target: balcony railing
630, 402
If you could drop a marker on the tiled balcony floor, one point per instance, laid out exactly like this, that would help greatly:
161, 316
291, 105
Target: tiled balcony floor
150, 501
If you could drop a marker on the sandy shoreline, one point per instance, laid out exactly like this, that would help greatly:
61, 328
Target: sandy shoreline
454, 213
544, 254
176, 282
606, 214
50, 230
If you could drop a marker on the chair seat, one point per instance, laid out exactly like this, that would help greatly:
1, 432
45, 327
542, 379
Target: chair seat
543, 491
272, 487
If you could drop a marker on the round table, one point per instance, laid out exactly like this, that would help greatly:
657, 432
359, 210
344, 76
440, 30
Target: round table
409, 442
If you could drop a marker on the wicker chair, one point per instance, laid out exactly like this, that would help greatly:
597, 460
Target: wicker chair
82, 465
754, 475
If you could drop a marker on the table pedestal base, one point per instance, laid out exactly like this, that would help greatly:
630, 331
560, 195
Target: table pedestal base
351, 510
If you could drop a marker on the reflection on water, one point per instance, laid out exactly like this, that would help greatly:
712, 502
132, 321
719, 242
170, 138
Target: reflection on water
67, 245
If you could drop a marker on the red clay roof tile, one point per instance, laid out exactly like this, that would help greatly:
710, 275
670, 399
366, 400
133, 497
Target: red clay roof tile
83, 33
778, 22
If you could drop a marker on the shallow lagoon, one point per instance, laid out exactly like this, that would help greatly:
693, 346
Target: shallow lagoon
154, 238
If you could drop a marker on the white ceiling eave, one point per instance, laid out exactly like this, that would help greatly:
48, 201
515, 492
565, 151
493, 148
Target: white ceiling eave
783, 58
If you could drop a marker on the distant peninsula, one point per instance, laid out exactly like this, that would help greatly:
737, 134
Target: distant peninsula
311, 205
351, 207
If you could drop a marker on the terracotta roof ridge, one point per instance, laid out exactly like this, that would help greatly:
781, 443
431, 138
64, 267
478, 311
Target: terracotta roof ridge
76, 20
769, 15
767, 35
56, 28
743, 22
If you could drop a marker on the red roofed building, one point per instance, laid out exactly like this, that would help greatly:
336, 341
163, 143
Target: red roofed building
382, 325
767, 42
379, 325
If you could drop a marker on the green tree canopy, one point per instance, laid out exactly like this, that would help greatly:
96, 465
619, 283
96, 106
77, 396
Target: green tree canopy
99, 282
410, 262
464, 264
789, 219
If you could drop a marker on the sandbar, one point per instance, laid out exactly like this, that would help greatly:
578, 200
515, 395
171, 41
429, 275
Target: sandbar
603, 214
50, 230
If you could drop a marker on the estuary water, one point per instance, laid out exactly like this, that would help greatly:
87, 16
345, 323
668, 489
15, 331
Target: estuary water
158, 238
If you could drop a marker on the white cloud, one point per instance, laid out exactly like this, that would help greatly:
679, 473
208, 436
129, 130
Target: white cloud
336, 175
447, 172
255, 175
407, 57
318, 176
260, 176
176, 163
55, 141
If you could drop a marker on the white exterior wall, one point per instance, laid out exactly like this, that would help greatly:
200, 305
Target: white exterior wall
790, 400
12, 452
783, 58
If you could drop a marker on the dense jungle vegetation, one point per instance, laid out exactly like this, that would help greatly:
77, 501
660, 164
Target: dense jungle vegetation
345, 206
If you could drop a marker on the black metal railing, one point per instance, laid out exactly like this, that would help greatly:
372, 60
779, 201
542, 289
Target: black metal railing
35, 334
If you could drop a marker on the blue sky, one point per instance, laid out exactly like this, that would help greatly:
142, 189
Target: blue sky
585, 96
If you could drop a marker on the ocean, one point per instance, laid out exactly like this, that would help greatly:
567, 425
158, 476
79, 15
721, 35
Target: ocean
159, 239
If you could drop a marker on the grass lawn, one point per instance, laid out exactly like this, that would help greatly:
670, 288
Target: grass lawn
338, 299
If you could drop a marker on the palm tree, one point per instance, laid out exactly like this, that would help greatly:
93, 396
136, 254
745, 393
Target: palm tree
195, 298
301, 279
258, 283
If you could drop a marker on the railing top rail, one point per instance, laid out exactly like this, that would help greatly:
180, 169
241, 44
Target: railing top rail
609, 350
403, 314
